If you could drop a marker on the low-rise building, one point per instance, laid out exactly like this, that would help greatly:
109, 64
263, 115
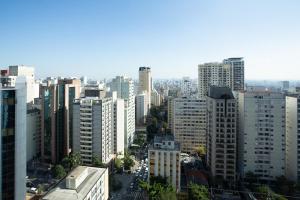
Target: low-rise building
83, 183
164, 160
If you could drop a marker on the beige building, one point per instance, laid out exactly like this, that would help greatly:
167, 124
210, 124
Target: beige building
145, 83
221, 133
164, 159
188, 122
83, 183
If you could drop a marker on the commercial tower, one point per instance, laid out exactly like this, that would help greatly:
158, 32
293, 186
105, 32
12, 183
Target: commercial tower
187, 121
229, 73
221, 133
292, 137
13, 141
93, 129
56, 118
164, 159
261, 140
125, 90
145, 83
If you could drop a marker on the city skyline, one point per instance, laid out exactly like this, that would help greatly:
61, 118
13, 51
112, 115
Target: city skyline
172, 37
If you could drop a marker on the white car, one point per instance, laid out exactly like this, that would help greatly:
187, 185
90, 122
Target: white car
32, 190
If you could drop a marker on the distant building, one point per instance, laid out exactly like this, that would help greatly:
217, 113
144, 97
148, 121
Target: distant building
229, 73
155, 98
221, 133
145, 83
164, 159
56, 117
93, 129
188, 122
141, 104
186, 87
13, 141
83, 183
262, 134
285, 85
94, 91
125, 90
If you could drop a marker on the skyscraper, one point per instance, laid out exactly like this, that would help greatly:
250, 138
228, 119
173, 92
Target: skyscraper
221, 133
13, 141
56, 118
145, 83
125, 90
93, 129
261, 140
229, 73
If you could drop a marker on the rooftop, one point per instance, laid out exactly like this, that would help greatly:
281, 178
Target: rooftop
216, 92
61, 192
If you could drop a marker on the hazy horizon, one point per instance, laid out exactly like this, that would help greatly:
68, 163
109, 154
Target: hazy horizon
102, 39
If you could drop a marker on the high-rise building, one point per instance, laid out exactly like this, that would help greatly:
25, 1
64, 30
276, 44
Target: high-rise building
56, 117
237, 74
118, 124
93, 129
155, 98
33, 133
170, 112
125, 90
292, 137
141, 103
164, 160
13, 141
261, 138
221, 133
145, 83
188, 122
229, 73
8, 78
83, 183
186, 87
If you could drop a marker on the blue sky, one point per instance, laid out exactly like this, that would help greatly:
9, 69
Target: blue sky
105, 38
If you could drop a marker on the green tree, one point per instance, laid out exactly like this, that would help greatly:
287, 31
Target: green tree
201, 151
66, 163
118, 164
40, 189
75, 160
198, 192
284, 186
127, 161
158, 191
59, 172
96, 162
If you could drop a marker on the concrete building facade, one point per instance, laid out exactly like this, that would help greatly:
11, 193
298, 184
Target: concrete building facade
125, 90
188, 122
93, 129
261, 139
164, 160
229, 73
222, 133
